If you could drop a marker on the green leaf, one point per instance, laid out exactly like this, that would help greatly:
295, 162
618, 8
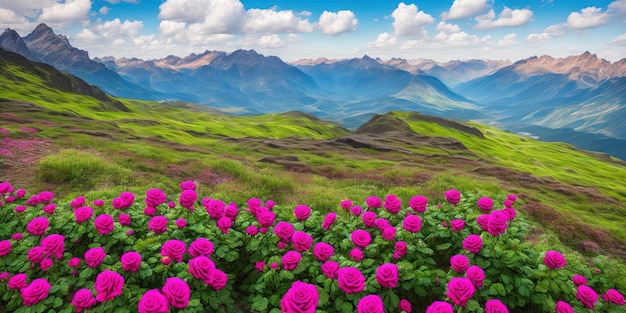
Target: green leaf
443, 246
472, 305
542, 286
57, 302
347, 308
286, 275
260, 304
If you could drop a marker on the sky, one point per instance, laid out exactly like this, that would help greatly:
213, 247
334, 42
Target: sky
441, 30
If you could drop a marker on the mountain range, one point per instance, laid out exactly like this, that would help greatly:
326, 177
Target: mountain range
581, 97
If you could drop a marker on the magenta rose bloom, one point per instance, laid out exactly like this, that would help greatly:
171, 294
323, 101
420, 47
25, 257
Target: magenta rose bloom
131, 261
460, 290
373, 202
329, 219
215, 208
38, 226
73, 262
124, 219
284, 231
412, 223
459, 263
94, 256
53, 245
323, 251
5, 247
346, 204
497, 223
177, 292
181, 223
554, 259
485, 204
579, 280
17, 236
174, 249
153, 302
82, 214
350, 280
291, 259
17, 281
301, 298
473, 243
104, 224
330, 268
45, 196
389, 233
509, 213
564, 307
392, 204
453, 196
149, 211
224, 224
36, 291
511, 197
457, 225
46, 264
370, 304
302, 212
483, 221
369, 219
35, 254
587, 296
252, 230
260, 266
613, 296
19, 208
33, 200
495, 306
418, 204
77, 202
387, 275
154, 197
118, 203
201, 246
98, 202
83, 299
476, 275
382, 223
50, 208
128, 198
232, 211
188, 198
356, 254
357, 210
158, 224
188, 185
361, 238
265, 217
400, 249
218, 279
405, 306
201, 268
301, 241
253, 204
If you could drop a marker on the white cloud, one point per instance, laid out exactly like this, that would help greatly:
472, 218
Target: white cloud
450, 35
384, 40
587, 18
448, 27
171, 28
104, 10
507, 18
26, 8
508, 40
619, 40
618, 9
87, 36
270, 41
8, 19
271, 21
331, 23
409, 21
68, 12
216, 16
465, 8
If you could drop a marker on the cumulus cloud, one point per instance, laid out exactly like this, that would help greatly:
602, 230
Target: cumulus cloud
104, 10
212, 16
384, 40
26, 8
66, 13
507, 18
409, 21
271, 21
619, 40
9, 19
331, 23
450, 35
465, 8
587, 18
549, 32
508, 40
113, 32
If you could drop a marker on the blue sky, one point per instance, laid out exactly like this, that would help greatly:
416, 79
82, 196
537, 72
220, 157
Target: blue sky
295, 29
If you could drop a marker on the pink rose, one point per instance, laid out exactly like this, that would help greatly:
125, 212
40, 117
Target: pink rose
33, 200
174, 249
232, 211
564, 307
20, 193
346, 204
389, 233
46, 264
149, 211
124, 219
485, 204
201, 246
270, 204
252, 230
98, 202
77, 202
83, 299
511, 197
17, 281
45, 196
224, 224
50, 208
323, 251
497, 223
350, 280
274, 265
201, 268
291, 259
613, 296
38, 226
177, 292
171, 204
400, 249
554, 259
82, 214
301, 241
356, 254
473, 243
128, 198
188, 185
154, 197
131, 261
104, 224
218, 279
35, 254
356, 210
459, 263
405, 306
361, 238
53, 245
453, 196
483, 221
476, 275
215, 208
587, 296
412, 223
301, 297
579, 280
188, 198
153, 302
457, 225
460, 290
370, 304
382, 223
253, 204
418, 204
284, 231
158, 224
369, 219
302, 212
94, 256
73, 262
16, 236
36, 291
373, 202
265, 217
118, 203
387, 275
329, 219
260, 266
19, 208
495, 306
330, 268
509, 213
392, 204
5, 247
108, 285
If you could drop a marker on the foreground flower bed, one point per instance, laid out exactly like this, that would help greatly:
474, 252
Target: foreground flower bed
186, 253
